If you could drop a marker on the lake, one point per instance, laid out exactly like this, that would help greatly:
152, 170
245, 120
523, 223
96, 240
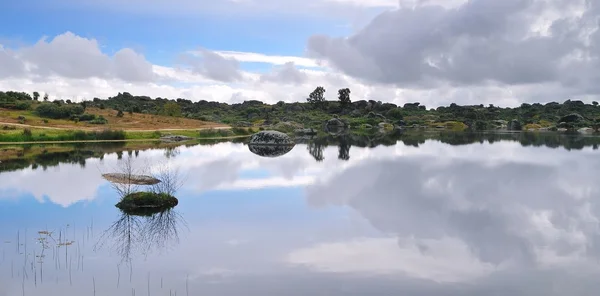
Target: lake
436, 214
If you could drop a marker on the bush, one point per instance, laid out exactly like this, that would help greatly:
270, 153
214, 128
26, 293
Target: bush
146, 203
120, 114
395, 113
83, 117
99, 120
215, 133
22, 105
27, 133
240, 131
56, 111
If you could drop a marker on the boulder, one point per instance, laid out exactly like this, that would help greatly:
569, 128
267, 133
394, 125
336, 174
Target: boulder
514, 125
294, 108
355, 113
572, 118
376, 115
335, 122
586, 130
270, 138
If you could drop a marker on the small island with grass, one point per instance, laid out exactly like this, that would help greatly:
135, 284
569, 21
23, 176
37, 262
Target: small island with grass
146, 203
28, 117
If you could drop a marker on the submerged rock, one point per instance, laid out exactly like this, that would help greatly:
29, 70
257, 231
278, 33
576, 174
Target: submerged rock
271, 138
131, 179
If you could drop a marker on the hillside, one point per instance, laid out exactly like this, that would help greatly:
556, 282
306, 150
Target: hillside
128, 122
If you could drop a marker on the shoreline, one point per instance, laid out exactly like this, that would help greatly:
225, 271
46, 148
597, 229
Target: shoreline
115, 141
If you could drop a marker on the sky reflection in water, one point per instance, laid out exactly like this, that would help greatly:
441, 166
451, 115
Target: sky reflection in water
478, 219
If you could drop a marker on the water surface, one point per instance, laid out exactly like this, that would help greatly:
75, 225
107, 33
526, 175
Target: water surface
457, 215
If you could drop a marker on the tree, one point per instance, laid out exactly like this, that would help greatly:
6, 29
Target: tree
45, 97
172, 109
344, 96
36, 95
317, 96
595, 103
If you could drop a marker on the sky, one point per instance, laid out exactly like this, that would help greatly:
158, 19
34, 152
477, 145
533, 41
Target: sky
435, 52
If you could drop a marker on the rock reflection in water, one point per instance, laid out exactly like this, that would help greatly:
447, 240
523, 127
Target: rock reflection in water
270, 150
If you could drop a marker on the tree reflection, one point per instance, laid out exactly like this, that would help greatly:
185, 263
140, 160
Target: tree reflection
344, 149
141, 234
316, 150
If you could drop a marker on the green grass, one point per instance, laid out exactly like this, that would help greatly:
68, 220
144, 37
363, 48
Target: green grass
40, 135
146, 203
55, 135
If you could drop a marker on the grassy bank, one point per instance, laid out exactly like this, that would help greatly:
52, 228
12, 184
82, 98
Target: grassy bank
27, 135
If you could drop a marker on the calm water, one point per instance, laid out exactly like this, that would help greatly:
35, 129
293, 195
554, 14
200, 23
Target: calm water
460, 216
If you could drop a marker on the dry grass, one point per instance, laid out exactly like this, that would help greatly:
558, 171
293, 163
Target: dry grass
129, 122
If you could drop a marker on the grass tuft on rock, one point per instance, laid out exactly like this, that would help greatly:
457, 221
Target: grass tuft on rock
146, 203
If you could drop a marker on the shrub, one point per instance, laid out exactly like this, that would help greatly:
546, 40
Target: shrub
56, 111
120, 114
395, 113
240, 131
99, 120
27, 133
22, 105
215, 133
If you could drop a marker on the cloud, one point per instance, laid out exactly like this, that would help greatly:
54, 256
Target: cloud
286, 74
54, 67
11, 65
513, 42
214, 66
444, 260
252, 57
71, 56
509, 211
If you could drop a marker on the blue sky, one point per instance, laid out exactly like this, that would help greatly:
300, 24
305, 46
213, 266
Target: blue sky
162, 37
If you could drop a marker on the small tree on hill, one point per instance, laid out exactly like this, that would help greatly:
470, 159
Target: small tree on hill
172, 109
45, 97
317, 97
36, 95
344, 96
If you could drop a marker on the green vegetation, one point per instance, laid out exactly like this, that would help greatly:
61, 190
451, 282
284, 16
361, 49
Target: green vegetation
358, 115
41, 135
146, 203
224, 133
59, 111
